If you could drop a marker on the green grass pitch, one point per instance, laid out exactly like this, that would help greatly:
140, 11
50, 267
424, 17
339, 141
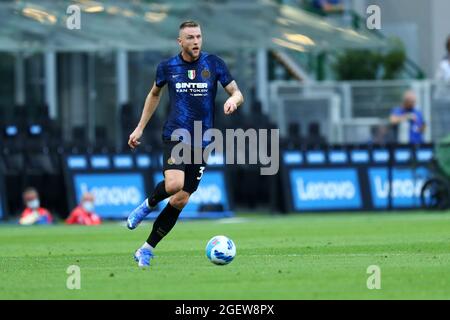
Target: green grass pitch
313, 256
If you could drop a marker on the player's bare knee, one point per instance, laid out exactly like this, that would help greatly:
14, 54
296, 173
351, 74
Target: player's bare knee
179, 201
173, 186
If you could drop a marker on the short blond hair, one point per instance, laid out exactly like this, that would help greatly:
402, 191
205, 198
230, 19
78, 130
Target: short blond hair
189, 24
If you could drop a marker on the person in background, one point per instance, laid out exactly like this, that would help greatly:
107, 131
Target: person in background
443, 73
34, 213
442, 91
408, 114
84, 213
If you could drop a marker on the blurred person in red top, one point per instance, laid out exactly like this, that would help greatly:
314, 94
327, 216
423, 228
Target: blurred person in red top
34, 213
84, 213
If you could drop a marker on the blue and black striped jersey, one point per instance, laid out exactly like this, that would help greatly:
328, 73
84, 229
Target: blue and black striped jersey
192, 90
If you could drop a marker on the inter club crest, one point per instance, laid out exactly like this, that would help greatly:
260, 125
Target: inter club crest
191, 74
205, 74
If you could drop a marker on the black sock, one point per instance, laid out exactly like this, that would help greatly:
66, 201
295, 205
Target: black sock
163, 224
158, 194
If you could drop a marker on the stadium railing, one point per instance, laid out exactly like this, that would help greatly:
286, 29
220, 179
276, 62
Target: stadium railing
343, 109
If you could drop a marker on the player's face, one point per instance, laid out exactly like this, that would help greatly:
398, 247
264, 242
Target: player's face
190, 40
409, 102
31, 200
30, 196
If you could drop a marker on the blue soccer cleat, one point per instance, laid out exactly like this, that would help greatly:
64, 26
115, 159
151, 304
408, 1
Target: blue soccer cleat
143, 257
138, 214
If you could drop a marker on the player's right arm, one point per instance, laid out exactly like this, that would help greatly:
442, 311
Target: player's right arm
396, 118
151, 103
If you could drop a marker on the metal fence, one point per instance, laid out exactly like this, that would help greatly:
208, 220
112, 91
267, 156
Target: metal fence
357, 111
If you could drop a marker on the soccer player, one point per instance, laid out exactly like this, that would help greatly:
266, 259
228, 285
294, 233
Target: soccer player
191, 78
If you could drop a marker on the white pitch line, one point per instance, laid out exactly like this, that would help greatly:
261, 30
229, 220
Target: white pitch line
233, 220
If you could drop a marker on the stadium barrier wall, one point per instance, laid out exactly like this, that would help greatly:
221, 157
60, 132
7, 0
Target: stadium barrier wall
347, 110
354, 179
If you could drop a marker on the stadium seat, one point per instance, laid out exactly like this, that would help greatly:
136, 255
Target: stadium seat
79, 141
102, 144
314, 137
20, 116
294, 139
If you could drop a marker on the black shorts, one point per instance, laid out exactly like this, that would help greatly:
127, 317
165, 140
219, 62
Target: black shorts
193, 171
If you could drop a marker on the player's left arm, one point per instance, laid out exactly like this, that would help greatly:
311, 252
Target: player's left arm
235, 100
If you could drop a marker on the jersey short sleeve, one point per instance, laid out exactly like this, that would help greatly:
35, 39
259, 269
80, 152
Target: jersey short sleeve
223, 75
160, 76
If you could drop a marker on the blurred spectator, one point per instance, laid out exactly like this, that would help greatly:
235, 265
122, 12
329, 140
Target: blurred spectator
328, 6
34, 213
443, 73
84, 213
408, 115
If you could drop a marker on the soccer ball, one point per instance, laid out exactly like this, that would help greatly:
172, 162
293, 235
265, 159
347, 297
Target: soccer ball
220, 250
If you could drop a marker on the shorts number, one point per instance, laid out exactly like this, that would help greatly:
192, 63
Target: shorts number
201, 173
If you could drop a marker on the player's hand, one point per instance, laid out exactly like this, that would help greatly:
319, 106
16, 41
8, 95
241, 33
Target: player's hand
133, 141
229, 107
